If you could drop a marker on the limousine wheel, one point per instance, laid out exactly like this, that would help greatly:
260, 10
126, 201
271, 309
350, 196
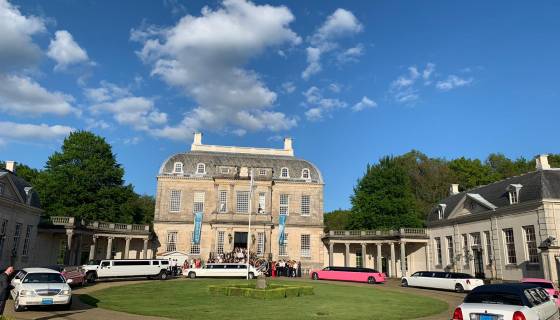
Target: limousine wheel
91, 277
192, 275
371, 280
17, 306
404, 283
163, 275
459, 288
315, 276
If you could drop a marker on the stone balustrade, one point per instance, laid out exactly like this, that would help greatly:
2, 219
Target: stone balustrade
403, 232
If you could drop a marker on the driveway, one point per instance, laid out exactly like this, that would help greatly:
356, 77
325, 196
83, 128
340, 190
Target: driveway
82, 311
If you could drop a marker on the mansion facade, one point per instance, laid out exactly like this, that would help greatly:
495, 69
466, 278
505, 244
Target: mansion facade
215, 180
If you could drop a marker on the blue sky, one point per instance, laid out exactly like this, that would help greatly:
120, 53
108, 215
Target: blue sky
349, 81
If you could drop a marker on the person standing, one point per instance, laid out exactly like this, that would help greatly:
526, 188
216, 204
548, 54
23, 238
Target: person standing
5, 287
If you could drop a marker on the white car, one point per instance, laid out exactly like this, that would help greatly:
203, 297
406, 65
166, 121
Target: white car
150, 268
40, 287
458, 282
222, 270
516, 301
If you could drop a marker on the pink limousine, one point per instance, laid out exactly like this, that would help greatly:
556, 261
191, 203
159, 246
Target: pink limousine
349, 274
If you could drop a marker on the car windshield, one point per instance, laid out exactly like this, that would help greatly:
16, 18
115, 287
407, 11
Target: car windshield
93, 262
494, 298
43, 278
546, 285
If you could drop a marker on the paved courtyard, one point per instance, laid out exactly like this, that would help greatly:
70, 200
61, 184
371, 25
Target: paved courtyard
82, 311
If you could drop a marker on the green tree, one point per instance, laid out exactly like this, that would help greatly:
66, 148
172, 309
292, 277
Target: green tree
470, 173
337, 220
25, 172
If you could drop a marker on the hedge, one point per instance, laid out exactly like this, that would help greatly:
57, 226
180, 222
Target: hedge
273, 291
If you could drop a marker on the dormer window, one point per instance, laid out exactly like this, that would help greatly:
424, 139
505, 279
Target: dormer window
441, 210
284, 173
201, 168
178, 167
513, 193
262, 172
305, 174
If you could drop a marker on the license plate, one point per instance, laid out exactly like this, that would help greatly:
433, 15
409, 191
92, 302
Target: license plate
486, 317
47, 301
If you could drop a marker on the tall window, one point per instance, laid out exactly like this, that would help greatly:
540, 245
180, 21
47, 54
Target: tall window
513, 197
26, 240
178, 167
283, 248
476, 239
465, 249
439, 259
284, 173
220, 246
195, 247
306, 245
17, 236
359, 258
262, 172
201, 168
3, 228
2, 187
510, 246
262, 203
260, 243
198, 202
305, 174
175, 201
242, 201
61, 252
450, 253
284, 204
222, 201
488, 246
531, 244
305, 205
172, 241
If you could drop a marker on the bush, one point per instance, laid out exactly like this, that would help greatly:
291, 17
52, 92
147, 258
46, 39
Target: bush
274, 291
235, 291
258, 294
277, 293
292, 291
306, 291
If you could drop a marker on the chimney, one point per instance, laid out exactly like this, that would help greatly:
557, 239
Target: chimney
11, 166
288, 143
197, 138
453, 189
541, 162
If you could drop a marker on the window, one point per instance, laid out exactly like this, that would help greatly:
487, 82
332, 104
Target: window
262, 203
172, 241
306, 245
223, 195
283, 248
359, 258
262, 172
475, 238
175, 201
438, 251
195, 248
2, 187
510, 246
513, 199
17, 236
450, 253
224, 170
488, 246
220, 246
441, 210
242, 201
284, 204
260, 243
305, 174
284, 173
465, 249
531, 244
178, 167
201, 168
26, 240
198, 202
3, 228
305, 205
61, 252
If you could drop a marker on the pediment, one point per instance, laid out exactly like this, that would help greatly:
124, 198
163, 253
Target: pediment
9, 189
471, 203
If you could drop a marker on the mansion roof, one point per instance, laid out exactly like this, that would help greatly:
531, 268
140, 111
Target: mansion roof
22, 188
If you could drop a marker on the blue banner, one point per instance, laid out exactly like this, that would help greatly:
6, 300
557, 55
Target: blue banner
281, 227
197, 227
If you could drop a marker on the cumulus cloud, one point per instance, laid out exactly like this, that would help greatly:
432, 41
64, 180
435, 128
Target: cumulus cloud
351, 54
288, 87
453, 82
364, 104
32, 132
205, 57
17, 49
65, 51
319, 106
22, 96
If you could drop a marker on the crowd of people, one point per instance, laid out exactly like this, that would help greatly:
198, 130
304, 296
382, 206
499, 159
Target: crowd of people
284, 268
238, 255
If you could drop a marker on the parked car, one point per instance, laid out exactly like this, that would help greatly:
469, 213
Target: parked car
548, 285
40, 287
103, 269
516, 301
222, 270
349, 274
76, 273
456, 281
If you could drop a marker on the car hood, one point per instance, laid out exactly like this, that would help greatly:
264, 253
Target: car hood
43, 286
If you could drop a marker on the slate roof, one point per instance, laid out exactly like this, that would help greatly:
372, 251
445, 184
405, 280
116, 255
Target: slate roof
31, 198
214, 160
537, 185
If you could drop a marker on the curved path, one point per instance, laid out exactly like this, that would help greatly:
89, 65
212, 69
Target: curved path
82, 311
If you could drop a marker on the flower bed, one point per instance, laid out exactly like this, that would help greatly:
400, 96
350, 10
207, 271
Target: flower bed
273, 291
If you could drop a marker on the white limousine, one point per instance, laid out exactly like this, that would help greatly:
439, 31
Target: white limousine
222, 270
151, 268
458, 282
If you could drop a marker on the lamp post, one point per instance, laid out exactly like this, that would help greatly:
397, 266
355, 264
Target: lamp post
249, 230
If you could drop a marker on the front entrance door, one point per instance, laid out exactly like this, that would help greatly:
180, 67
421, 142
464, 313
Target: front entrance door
384, 266
478, 264
240, 240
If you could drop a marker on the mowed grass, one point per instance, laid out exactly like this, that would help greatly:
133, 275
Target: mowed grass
190, 299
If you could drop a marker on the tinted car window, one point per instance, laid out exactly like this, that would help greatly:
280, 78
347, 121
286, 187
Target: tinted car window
43, 278
105, 263
545, 285
417, 274
440, 275
494, 298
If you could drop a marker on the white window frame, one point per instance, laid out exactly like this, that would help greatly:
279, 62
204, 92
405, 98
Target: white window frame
178, 165
27, 240
531, 244
175, 200
305, 205
198, 201
513, 197
262, 202
224, 170
195, 248
450, 250
245, 205
287, 171
200, 165
284, 204
509, 246
439, 257
222, 201
283, 248
305, 247
171, 244
260, 244
262, 172
220, 242
303, 173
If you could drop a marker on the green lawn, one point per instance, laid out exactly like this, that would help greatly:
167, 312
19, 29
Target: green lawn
190, 299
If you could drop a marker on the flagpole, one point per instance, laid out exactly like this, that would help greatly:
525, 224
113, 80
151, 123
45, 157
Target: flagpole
249, 230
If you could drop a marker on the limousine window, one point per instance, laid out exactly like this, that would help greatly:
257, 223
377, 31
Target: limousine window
215, 266
132, 263
165, 262
105, 264
93, 262
545, 285
494, 298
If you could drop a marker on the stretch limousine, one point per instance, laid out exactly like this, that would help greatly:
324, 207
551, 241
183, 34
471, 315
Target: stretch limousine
459, 282
151, 268
232, 270
349, 274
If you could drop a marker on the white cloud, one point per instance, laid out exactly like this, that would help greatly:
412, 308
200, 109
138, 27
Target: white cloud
427, 73
288, 87
132, 141
334, 87
107, 91
24, 97
138, 112
16, 45
96, 123
351, 54
205, 56
364, 104
32, 132
453, 82
314, 114
320, 107
65, 51
313, 62
341, 23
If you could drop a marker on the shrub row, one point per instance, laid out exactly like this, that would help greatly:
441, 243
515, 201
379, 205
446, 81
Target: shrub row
273, 292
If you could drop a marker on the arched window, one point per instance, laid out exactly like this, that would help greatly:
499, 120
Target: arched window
284, 173
178, 167
201, 168
305, 174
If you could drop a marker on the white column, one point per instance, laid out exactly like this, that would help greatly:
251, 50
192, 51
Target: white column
145, 249
92, 248
68, 255
347, 255
331, 253
126, 247
364, 255
403, 259
109, 247
427, 253
392, 265
379, 263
